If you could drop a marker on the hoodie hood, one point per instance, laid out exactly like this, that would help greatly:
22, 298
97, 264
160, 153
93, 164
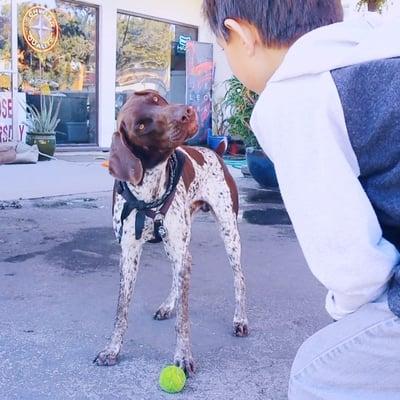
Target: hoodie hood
363, 38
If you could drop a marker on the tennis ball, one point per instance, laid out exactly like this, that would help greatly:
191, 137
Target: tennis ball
172, 379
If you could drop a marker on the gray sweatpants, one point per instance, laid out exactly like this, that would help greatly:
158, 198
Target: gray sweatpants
355, 358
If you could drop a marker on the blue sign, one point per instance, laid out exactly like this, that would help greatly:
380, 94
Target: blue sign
181, 46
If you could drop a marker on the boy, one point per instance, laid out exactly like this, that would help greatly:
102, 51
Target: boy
329, 118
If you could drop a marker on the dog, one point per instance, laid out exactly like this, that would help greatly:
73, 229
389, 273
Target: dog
160, 183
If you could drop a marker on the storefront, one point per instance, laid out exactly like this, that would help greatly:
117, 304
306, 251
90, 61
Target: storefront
89, 56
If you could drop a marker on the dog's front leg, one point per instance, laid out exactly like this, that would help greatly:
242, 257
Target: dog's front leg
183, 353
129, 264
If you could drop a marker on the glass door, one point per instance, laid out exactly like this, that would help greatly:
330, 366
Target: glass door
49, 48
151, 54
8, 72
57, 58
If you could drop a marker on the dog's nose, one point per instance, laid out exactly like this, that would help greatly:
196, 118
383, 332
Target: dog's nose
188, 114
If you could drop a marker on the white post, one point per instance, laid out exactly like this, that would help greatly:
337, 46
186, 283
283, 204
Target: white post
14, 68
107, 72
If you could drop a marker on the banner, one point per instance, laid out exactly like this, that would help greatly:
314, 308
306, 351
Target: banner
6, 115
199, 82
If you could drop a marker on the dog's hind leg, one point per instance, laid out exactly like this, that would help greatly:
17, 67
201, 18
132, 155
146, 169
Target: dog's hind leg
129, 264
167, 307
227, 221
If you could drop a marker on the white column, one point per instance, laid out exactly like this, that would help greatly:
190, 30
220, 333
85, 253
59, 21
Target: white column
107, 72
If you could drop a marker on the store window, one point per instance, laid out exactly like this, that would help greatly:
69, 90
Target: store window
6, 131
5, 43
57, 56
151, 54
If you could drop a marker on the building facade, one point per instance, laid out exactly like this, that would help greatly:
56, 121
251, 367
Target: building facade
89, 56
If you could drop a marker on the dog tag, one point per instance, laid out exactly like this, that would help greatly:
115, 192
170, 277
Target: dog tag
162, 232
159, 227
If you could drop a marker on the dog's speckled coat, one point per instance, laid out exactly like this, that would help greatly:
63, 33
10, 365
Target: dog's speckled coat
205, 181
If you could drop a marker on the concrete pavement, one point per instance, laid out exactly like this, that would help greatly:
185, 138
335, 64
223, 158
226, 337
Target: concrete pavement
58, 291
64, 176
70, 173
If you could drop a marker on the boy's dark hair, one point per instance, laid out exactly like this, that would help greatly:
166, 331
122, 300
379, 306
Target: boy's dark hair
279, 22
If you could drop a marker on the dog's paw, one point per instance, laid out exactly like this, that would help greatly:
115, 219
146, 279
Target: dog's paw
186, 363
106, 358
163, 313
241, 329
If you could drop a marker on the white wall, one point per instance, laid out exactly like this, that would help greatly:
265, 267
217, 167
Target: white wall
184, 11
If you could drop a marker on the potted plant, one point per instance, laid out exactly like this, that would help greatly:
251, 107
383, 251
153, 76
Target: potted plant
240, 102
372, 5
218, 134
42, 126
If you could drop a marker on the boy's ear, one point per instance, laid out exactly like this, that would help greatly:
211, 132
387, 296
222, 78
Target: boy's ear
243, 31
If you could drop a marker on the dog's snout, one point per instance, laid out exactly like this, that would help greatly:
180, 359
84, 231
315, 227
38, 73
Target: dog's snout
188, 114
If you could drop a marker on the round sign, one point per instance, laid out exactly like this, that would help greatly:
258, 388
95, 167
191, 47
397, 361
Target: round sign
40, 29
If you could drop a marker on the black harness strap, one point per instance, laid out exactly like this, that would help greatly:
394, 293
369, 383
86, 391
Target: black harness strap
144, 209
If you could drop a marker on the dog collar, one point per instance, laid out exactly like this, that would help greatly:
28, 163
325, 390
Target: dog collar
176, 163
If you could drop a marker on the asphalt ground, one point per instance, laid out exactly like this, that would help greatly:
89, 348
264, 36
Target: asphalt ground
58, 290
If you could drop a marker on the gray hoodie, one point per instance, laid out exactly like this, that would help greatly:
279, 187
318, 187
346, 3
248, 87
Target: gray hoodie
329, 119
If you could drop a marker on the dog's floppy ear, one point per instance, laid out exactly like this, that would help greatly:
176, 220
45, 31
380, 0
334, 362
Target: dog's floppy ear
123, 164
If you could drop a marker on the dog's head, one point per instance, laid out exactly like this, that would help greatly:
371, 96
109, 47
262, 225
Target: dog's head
148, 131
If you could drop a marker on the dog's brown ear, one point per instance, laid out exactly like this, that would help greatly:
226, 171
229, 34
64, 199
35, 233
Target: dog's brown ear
150, 91
123, 164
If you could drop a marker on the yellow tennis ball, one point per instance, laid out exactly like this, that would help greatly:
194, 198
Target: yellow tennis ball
172, 379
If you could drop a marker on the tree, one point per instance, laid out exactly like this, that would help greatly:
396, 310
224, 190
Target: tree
373, 5
143, 52
5, 35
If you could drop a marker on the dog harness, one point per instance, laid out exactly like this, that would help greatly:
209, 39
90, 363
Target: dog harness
155, 210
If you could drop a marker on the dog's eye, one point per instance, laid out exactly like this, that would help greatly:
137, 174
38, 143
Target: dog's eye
143, 124
155, 99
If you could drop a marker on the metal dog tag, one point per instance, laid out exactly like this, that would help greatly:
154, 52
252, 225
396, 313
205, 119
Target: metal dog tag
159, 226
162, 232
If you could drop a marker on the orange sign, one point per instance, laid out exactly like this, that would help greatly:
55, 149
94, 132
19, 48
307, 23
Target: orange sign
40, 29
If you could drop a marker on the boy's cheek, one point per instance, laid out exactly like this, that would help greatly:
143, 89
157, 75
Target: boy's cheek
241, 71
233, 60
239, 64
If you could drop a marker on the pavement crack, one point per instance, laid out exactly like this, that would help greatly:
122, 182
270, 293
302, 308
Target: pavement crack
23, 257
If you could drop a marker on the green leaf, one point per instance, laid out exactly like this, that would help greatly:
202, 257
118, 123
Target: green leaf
45, 120
239, 102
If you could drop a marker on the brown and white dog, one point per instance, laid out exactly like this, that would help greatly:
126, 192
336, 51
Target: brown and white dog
149, 132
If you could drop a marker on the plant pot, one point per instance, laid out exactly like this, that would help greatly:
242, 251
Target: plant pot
217, 143
261, 168
46, 143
